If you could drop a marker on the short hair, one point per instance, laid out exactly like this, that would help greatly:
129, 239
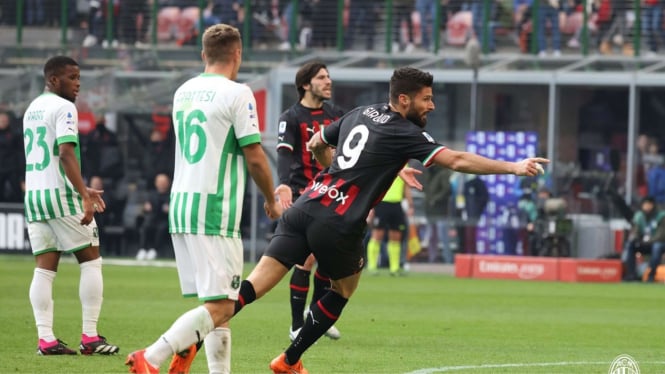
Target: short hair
56, 64
408, 81
306, 73
648, 199
219, 42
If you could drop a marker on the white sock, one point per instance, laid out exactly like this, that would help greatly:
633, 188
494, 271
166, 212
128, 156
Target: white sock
188, 329
91, 290
41, 298
218, 350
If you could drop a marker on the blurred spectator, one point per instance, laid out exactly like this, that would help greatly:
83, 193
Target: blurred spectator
656, 182
478, 17
97, 24
402, 10
427, 11
34, 12
133, 20
362, 22
159, 156
618, 29
548, 14
12, 166
324, 23
102, 154
652, 22
154, 235
647, 236
439, 213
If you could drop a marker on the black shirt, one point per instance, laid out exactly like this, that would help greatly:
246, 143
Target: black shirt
372, 144
296, 165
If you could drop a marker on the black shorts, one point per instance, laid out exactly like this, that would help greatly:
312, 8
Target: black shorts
298, 234
389, 216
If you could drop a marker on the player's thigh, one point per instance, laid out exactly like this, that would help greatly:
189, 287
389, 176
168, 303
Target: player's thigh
209, 266
64, 234
289, 243
338, 254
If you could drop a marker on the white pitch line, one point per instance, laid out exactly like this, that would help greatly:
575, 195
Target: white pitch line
499, 366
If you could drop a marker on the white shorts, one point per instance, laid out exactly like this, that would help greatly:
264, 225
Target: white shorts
64, 234
209, 266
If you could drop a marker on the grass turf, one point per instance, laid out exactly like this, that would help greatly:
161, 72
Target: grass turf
421, 323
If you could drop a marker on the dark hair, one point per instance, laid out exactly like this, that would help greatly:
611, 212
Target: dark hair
408, 81
219, 42
55, 64
648, 199
306, 73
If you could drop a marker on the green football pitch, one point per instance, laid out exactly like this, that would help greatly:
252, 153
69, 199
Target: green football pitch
419, 324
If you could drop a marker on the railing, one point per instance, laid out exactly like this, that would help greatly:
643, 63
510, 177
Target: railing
386, 26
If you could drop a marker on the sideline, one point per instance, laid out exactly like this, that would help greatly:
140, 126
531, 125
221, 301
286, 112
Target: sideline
445, 369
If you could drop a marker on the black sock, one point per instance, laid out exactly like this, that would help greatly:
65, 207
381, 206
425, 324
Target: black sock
321, 286
247, 295
322, 314
299, 286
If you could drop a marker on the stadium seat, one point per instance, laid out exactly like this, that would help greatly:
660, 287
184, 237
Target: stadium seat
167, 21
459, 28
187, 23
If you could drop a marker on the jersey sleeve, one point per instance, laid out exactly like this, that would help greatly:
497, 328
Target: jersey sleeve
330, 135
287, 131
422, 147
66, 124
246, 119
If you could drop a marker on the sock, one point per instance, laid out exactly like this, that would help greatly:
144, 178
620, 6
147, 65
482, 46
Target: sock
373, 251
218, 350
246, 295
41, 298
299, 286
321, 285
321, 316
91, 289
190, 328
394, 249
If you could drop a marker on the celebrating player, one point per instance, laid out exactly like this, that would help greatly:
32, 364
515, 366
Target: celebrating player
373, 143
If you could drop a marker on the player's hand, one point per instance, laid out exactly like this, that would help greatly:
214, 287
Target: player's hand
274, 210
409, 176
93, 203
530, 167
284, 195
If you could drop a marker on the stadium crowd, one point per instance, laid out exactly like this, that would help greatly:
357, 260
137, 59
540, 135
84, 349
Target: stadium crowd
425, 25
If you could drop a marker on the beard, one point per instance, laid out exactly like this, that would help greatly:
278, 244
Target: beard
413, 116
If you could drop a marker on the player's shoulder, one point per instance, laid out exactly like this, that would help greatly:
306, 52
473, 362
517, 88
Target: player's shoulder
333, 109
291, 113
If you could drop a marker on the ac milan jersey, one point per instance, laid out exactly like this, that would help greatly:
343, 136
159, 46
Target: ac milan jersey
372, 144
296, 126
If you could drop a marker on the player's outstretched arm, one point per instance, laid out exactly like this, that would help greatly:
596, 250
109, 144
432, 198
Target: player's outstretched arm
471, 163
257, 165
72, 170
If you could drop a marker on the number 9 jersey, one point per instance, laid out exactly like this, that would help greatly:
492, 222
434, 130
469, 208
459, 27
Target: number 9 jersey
213, 117
372, 145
